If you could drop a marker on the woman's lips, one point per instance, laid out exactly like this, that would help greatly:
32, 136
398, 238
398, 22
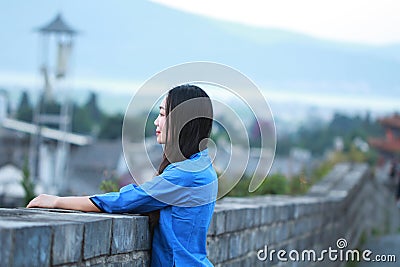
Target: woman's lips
158, 132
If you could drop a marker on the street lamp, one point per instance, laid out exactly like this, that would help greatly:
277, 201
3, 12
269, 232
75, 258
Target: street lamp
50, 163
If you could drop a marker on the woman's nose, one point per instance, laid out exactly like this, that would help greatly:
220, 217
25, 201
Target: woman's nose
156, 122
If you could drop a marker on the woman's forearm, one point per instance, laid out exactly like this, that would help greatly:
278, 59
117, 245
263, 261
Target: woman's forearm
68, 203
75, 203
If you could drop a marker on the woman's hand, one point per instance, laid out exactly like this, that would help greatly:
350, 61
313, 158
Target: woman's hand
43, 201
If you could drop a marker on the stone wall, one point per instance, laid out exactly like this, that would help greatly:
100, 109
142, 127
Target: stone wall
346, 203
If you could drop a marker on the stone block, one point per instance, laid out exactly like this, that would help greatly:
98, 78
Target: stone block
283, 211
300, 226
223, 245
97, 237
123, 229
141, 235
245, 239
264, 236
6, 243
234, 219
212, 249
217, 248
267, 214
253, 217
217, 224
132, 259
31, 243
67, 243
234, 246
282, 232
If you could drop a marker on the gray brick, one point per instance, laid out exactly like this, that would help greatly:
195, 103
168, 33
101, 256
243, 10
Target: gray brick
283, 211
267, 214
302, 226
142, 238
6, 245
98, 262
97, 237
300, 210
245, 239
223, 247
31, 243
122, 235
232, 223
146, 260
133, 259
67, 243
234, 246
217, 225
264, 236
129, 232
253, 217
217, 248
212, 248
282, 232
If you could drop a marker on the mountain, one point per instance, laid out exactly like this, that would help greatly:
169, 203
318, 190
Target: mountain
132, 40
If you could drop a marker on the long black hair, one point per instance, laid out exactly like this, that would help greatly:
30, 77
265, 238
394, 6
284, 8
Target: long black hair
189, 117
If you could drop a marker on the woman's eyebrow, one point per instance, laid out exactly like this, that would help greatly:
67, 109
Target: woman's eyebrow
161, 107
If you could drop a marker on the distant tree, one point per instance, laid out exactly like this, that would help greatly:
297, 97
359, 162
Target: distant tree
284, 144
218, 132
25, 110
111, 128
275, 184
81, 122
319, 138
267, 134
134, 128
93, 109
50, 107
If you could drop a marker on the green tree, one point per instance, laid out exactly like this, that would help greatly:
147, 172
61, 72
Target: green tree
93, 110
81, 122
273, 184
112, 127
50, 107
25, 110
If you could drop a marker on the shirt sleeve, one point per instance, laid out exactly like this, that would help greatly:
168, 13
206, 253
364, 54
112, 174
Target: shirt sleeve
174, 187
141, 199
130, 198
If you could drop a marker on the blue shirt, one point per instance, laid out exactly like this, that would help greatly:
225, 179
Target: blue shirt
185, 194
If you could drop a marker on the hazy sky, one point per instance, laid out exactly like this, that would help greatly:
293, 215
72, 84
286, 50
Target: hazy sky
360, 21
124, 42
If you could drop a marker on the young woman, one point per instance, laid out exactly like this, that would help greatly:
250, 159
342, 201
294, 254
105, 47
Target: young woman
184, 191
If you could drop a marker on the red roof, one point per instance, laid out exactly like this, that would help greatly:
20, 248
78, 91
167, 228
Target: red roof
393, 121
385, 145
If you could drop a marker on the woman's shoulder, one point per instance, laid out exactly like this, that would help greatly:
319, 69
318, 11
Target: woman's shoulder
198, 162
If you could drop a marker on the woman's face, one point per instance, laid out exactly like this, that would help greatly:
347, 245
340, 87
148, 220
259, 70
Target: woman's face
160, 124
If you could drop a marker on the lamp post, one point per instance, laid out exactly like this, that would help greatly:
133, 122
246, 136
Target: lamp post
56, 39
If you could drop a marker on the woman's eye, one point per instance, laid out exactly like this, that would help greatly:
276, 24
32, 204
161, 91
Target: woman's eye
161, 115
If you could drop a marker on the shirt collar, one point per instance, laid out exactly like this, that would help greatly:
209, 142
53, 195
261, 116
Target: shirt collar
201, 153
